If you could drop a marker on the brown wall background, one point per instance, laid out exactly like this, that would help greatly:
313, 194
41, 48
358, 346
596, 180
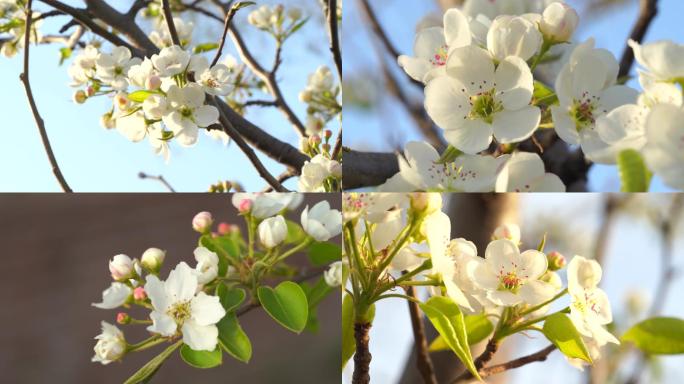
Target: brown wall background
54, 251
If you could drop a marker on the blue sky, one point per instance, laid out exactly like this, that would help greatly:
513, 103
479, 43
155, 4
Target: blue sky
95, 160
389, 125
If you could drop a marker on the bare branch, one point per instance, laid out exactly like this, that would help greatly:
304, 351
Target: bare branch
648, 9
423, 360
159, 178
367, 169
24, 77
283, 177
337, 150
334, 35
517, 363
168, 16
229, 18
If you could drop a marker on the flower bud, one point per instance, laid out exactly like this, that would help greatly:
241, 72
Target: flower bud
202, 222
513, 36
272, 231
153, 83
425, 202
558, 22
80, 97
552, 278
507, 231
225, 228
315, 139
335, 169
121, 100
111, 345
139, 294
327, 133
121, 267
305, 96
294, 13
245, 206
107, 122
333, 276
556, 261
123, 318
152, 259
90, 91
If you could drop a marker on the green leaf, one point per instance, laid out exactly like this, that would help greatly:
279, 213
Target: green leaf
348, 342
295, 233
298, 26
658, 336
634, 175
206, 47
201, 359
543, 94
478, 327
314, 295
140, 96
233, 339
286, 304
231, 298
149, 369
448, 320
560, 330
64, 53
324, 253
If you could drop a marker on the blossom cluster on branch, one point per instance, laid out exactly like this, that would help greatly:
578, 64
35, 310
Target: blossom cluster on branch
196, 309
482, 88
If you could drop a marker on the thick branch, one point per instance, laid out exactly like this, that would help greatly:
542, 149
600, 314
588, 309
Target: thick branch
362, 356
168, 17
423, 360
122, 23
334, 35
367, 169
34, 108
648, 9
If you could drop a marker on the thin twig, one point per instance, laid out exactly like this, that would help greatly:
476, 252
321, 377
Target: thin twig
168, 16
517, 363
423, 360
24, 77
648, 9
259, 103
229, 18
334, 35
283, 177
159, 178
337, 150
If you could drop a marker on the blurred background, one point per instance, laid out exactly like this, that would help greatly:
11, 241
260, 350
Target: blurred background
376, 119
638, 240
56, 249
96, 160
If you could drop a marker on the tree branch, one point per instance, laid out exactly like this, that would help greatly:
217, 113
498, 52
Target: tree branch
423, 360
517, 363
24, 77
159, 178
362, 356
168, 16
648, 9
283, 177
229, 18
367, 169
334, 35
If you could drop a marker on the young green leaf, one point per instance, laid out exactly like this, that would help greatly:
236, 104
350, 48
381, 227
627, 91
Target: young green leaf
206, 47
634, 175
231, 298
324, 253
295, 233
446, 317
543, 94
286, 304
348, 342
148, 370
560, 330
450, 154
201, 359
233, 339
658, 336
140, 96
478, 327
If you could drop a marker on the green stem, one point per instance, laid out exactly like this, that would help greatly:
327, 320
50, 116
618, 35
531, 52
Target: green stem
527, 324
360, 267
404, 236
542, 305
145, 344
423, 267
293, 250
413, 283
545, 48
398, 295
250, 234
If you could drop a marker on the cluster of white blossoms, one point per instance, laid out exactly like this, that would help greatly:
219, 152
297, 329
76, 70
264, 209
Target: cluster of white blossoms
13, 28
186, 305
163, 97
521, 283
277, 20
480, 89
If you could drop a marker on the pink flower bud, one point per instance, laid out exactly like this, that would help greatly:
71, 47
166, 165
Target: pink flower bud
315, 139
153, 83
224, 228
139, 294
122, 101
90, 91
556, 260
80, 96
121, 267
245, 206
202, 222
327, 133
123, 318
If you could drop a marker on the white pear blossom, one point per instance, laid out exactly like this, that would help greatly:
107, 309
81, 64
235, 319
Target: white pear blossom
375, 207
664, 149
121, 267
558, 22
214, 80
114, 296
132, 126
261, 205
140, 74
419, 170
110, 346
589, 308
189, 113
113, 68
261, 17
433, 45
316, 171
155, 107
586, 89
662, 60
83, 67
333, 276
162, 38
510, 277
507, 231
320, 222
524, 172
272, 231
478, 99
513, 36
158, 141
177, 306
207, 265
171, 61
494, 8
